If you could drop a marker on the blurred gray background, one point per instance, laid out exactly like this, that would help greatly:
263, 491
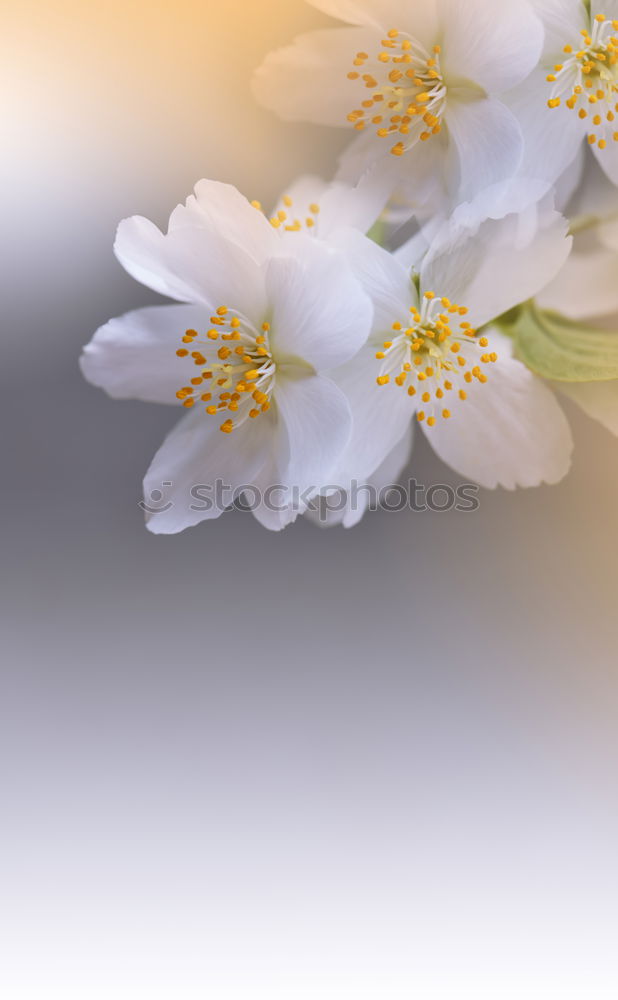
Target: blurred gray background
377, 764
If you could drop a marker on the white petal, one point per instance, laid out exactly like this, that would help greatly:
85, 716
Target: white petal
319, 312
499, 264
517, 196
195, 265
273, 511
607, 7
598, 400
356, 11
381, 414
509, 432
197, 454
596, 196
496, 45
419, 175
385, 281
552, 137
562, 20
313, 430
486, 145
340, 205
419, 18
307, 81
570, 181
348, 508
134, 356
608, 158
142, 250
223, 210
608, 234
585, 288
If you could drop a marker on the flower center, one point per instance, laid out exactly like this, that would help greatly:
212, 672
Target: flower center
241, 380
589, 76
283, 219
406, 91
433, 356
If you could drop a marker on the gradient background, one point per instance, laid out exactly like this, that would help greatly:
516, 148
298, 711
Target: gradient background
378, 764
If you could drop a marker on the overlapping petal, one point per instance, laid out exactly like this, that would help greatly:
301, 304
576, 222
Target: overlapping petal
133, 356
498, 264
307, 81
195, 454
319, 313
509, 432
191, 264
495, 45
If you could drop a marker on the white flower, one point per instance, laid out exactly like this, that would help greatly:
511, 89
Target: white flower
572, 96
263, 318
420, 81
484, 413
348, 507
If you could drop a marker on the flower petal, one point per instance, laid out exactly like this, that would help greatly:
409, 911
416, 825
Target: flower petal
552, 136
340, 205
562, 20
496, 45
385, 281
486, 145
598, 400
134, 356
349, 507
381, 414
273, 511
586, 287
320, 314
384, 14
194, 265
307, 81
509, 432
196, 454
595, 196
223, 210
494, 266
608, 158
313, 430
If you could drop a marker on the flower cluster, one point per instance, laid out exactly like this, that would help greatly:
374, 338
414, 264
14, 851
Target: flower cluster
458, 275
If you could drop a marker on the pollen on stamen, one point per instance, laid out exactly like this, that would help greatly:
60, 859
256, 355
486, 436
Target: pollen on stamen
589, 74
239, 376
407, 80
434, 355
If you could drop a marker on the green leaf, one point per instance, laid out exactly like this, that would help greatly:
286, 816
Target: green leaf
561, 349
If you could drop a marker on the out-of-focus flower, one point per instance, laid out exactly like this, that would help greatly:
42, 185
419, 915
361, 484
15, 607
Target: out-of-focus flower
571, 97
263, 318
433, 355
418, 82
569, 335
